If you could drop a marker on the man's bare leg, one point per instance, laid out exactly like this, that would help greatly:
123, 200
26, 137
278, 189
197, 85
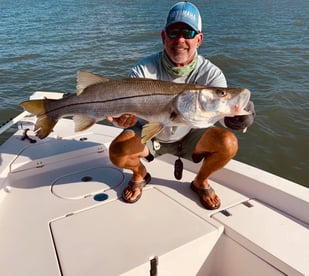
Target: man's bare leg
125, 152
219, 146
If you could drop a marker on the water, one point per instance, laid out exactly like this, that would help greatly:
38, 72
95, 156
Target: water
262, 45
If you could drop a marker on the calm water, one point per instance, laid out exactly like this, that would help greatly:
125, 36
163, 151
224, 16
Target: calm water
262, 45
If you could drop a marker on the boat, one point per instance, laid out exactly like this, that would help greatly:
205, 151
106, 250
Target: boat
61, 213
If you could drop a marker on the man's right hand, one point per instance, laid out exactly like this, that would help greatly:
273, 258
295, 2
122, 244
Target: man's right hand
125, 120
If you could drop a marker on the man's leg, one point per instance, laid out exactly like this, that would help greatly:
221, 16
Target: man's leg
125, 152
218, 146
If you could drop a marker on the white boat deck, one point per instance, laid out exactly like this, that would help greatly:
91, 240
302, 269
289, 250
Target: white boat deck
61, 214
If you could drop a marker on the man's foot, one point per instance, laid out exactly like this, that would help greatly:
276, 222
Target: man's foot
133, 191
208, 197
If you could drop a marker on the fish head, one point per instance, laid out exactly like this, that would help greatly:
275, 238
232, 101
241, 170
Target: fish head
227, 101
204, 107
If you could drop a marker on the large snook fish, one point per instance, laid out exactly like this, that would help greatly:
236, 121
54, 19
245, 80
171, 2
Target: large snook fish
161, 103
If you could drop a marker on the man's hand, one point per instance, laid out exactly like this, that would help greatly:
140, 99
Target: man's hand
125, 120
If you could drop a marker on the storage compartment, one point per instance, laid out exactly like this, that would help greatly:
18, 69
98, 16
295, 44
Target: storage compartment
251, 224
53, 151
116, 238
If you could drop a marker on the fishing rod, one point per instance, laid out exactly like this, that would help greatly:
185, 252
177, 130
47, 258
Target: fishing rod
37, 95
13, 121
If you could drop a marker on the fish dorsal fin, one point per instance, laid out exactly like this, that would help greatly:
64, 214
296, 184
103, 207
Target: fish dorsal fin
151, 130
85, 79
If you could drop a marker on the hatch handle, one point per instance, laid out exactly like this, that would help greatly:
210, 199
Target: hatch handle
154, 266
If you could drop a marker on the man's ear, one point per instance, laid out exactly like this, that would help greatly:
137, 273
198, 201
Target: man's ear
200, 39
163, 34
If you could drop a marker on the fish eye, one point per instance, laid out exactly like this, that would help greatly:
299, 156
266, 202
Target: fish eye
221, 93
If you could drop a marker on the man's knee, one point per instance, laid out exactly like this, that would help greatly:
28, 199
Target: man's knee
119, 144
231, 143
124, 147
228, 141
220, 140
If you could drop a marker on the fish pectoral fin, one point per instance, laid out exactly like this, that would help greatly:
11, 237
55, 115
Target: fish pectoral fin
83, 122
151, 130
85, 79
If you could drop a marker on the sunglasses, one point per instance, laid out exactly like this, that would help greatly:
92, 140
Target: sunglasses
176, 33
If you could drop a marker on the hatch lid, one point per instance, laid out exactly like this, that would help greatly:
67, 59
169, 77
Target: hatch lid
116, 237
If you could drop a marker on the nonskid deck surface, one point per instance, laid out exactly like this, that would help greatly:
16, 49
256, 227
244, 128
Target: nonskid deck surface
62, 197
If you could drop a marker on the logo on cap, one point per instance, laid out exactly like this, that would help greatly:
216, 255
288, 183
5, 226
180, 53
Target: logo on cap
185, 12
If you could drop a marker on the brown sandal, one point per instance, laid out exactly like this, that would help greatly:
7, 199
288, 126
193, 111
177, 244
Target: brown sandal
201, 192
136, 185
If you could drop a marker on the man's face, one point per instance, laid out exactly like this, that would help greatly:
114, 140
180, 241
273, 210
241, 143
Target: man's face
180, 50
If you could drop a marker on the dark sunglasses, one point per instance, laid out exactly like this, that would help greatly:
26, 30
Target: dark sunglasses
176, 33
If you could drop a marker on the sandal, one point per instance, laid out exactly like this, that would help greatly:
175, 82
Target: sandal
201, 192
135, 185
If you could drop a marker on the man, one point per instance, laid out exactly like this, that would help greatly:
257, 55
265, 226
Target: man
178, 62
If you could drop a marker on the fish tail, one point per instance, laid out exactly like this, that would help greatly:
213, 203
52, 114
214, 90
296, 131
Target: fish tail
44, 124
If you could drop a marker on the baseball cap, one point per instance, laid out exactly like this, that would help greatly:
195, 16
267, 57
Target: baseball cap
185, 12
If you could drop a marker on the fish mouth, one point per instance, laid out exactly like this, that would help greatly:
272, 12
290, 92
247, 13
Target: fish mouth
240, 107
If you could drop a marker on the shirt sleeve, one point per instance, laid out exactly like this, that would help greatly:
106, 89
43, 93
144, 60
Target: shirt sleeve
149, 67
218, 79
209, 74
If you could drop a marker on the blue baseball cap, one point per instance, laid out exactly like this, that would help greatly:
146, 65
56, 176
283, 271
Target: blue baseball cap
185, 12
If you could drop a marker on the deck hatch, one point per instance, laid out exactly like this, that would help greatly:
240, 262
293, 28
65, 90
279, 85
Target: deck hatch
87, 241
87, 183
